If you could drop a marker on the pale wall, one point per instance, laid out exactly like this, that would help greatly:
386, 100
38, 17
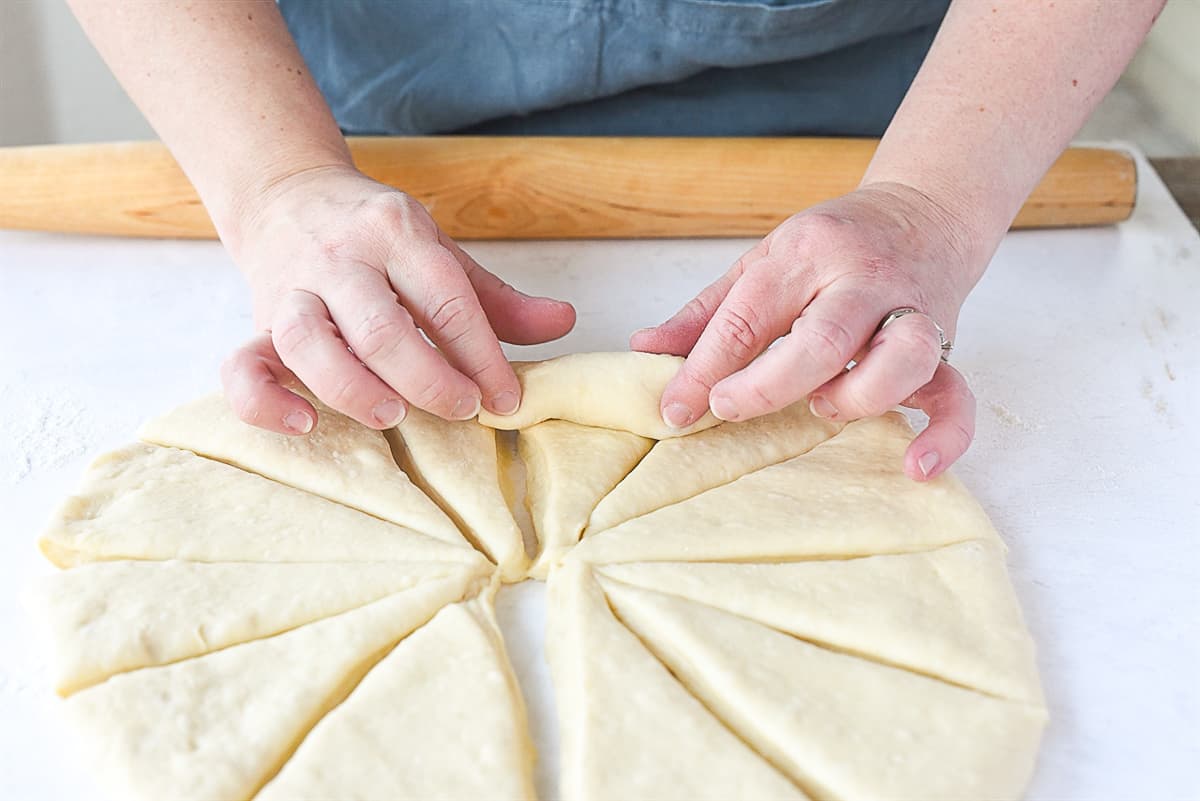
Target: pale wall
53, 85
1167, 69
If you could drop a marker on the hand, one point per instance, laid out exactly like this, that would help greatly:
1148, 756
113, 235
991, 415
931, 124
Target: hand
823, 280
346, 274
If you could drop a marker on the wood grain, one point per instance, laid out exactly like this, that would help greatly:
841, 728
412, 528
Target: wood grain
534, 188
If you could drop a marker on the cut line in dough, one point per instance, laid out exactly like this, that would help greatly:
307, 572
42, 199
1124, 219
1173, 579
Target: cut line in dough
220, 725
339, 459
458, 465
919, 611
845, 727
629, 729
568, 469
681, 468
845, 497
439, 717
149, 502
106, 618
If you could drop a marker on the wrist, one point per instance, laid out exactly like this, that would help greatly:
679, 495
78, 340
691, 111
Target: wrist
244, 205
969, 236
245, 195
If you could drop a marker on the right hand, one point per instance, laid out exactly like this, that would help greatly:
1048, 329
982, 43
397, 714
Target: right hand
346, 274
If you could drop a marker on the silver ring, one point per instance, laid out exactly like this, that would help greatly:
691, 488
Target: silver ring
895, 314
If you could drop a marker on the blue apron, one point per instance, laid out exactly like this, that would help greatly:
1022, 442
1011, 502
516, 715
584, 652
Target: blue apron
614, 67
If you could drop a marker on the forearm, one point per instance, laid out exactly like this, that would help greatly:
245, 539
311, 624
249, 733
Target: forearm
1003, 89
225, 88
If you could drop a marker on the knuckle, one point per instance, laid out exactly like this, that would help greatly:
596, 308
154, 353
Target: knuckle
959, 434
297, 333
697, 308
809, 229
378, 335
431, 394
246, 409
764, 397
386, 208
390, 213
334, 250
740, 330
344, 392
233, 364
452, 318
966, 401
861, 401
921, 345
827, 342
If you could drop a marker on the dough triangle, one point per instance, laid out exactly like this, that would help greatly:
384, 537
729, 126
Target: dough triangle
220, 725
841, 726
568, 468
340, 459
148, 502
110, 617
846, 497
629, 729
440, 717
457, 464
680, 468
619, 390
949, 613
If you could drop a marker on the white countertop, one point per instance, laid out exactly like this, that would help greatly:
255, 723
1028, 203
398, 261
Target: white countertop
1083, 347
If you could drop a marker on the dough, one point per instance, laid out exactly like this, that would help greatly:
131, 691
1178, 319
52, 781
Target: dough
846, 497
457, 464
110, 617
759, 610
629, 729
440, 717
339, 459
606, 390
920, 611
220, 725
147, 502
568, 468
840, 726
680, 468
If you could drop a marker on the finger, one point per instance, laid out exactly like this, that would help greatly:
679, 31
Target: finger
382, 335
309, 344
515, 317
679, 334
431, 284
901, 359
254, 379
822, 341
950, 405
757, 310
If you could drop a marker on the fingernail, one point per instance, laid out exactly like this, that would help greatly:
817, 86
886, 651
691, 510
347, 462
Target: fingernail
466, 408
505, 402
927, 463
676, 415
821, 407
642, 331
300, 422
389, 412
723, 408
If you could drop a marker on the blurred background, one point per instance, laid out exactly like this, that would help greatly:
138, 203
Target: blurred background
55, 88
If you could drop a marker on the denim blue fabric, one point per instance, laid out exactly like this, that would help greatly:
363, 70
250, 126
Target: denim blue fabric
614, 67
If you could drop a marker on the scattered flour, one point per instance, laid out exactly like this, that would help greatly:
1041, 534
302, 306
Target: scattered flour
46, 432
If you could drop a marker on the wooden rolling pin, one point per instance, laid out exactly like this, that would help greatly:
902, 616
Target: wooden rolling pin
534, 188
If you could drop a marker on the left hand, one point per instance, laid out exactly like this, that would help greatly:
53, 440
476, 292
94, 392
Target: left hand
823, 280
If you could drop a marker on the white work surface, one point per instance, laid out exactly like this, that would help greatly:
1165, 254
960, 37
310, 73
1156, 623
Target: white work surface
1083, 347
